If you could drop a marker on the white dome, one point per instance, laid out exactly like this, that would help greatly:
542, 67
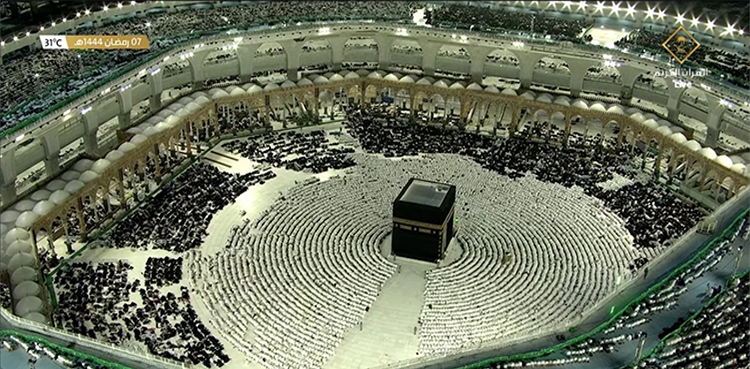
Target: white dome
424, 82
186, 100
137, 139
115, 155
650, 123
19, 246
336, 77
231, 88
558, 116
254, 89
638, 117
545, 98
440, 84
172, 121
59, 196
320, 79
200, 101
83, 165
494, 90
23, 274
510, 92
88, 176
614, 109
375, 75
708, 153
36, 317
678, 137
271, 87
664, 130
176, 106
9, 216
20, 259
581, 104
28, 288
529, 95
632, 110
562, 100
126, 147
351, 75
409, 79
44, 207
193, 107
288, 84
362, 72
214, 90
162, 114
40, 195
150, 131
70, 175
598, 107
474, 87
55, 185
693, 145
196, 95
29, 304
457, 86
161, 127
101, 165
738, 168
74, 186
24, 205
142, 127
215, 95
304, 82
391, 77
724, 161
26, 219
16, 234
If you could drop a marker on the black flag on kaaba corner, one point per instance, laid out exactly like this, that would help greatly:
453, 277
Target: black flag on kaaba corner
423, 220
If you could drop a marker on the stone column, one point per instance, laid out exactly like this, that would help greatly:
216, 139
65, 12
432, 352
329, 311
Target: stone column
715, 124
673, 104
90, 126
578, 69
429, 56
51, 145
125, 102
8, 175
155, 82
197, 72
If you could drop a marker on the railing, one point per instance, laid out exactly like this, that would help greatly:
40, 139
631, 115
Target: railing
33, 330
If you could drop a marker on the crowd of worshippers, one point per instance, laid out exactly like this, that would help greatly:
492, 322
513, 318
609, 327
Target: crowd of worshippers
485, 19
177, 217
163, 271
95, 301
735, 64
716, 338
310, 151
5, 300
28, 72
652, 214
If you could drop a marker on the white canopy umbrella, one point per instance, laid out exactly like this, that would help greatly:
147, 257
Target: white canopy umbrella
26, 219
43, 207
55, 185
23, 274
59, 196
70, 175
29, 304
24, 205
100, 166
74, 186
40, 195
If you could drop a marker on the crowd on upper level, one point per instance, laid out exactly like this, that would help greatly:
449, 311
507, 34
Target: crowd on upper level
493, 20
734, 66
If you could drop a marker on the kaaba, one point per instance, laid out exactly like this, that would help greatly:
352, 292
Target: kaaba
423, 220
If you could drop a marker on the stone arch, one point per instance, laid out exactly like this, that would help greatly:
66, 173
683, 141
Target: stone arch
611, 133
593, 131
695, 96
453, 58
406, 52
361, 50
603, 71
552, 65
270, 49
315, 52
647, 81
502, 56
371, 92
221, 55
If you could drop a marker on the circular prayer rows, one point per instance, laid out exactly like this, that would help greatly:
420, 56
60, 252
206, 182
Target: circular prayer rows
291, 283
